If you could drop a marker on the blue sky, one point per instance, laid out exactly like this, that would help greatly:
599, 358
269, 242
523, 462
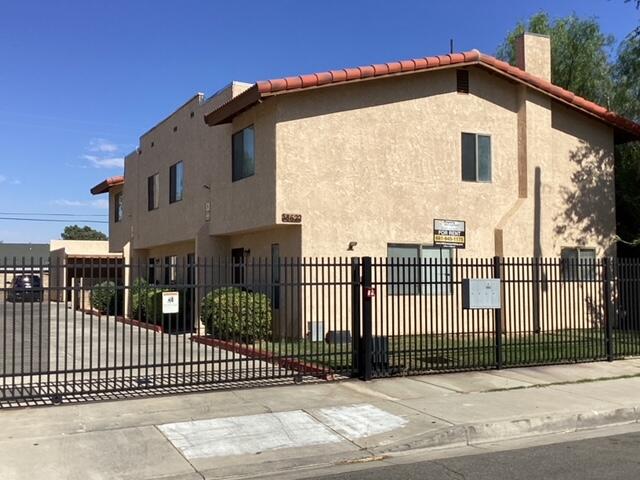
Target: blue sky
81, 80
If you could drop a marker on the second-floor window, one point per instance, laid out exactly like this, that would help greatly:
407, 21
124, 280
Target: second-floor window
476, 157
153, 192
176, 182
243, 154
118, 207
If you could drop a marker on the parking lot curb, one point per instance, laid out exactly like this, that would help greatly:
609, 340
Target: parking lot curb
289, 363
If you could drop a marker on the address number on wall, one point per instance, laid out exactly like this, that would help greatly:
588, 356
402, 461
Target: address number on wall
291, 218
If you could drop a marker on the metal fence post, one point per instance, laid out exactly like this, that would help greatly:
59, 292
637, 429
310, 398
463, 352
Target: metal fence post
365, 361
498, 314
355, 317
606, 293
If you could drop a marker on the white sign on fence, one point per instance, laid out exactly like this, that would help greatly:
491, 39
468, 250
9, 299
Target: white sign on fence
170, 302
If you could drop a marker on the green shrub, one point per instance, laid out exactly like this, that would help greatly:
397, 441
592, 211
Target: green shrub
146, 305
103, 298
235, 314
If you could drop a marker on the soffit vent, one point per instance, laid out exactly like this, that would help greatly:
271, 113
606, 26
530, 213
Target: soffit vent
462, 77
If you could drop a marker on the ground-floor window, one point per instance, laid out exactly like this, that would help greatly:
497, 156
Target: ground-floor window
238, 265
578, 263
418, 269
151, 272
170, 269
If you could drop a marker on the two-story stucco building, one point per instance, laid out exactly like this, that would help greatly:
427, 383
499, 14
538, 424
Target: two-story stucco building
360, 161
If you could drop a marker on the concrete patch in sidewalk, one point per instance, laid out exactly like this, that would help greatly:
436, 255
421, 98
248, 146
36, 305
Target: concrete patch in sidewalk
358, 421
249, 434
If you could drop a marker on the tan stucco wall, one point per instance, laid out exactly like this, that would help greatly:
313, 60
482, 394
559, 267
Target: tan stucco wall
119, 232
376, 162
94, 248
533, 54
249, 203
582, 207
206, 153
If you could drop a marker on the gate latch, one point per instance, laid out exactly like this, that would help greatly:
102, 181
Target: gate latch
369, 292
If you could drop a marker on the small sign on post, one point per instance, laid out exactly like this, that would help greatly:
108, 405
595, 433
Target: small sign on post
170, 302
449, 233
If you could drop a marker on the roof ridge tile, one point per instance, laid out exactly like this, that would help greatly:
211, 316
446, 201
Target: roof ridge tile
266, 87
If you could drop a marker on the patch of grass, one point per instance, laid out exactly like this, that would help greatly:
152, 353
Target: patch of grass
410, 353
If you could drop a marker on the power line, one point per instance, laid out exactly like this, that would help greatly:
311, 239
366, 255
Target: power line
57, 214
84, 220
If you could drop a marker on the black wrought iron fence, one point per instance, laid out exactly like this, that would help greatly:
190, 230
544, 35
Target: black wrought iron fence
102, 326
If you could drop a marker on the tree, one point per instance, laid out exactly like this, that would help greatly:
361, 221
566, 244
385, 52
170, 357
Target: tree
74, 232
626, 76
579, 53
636, 31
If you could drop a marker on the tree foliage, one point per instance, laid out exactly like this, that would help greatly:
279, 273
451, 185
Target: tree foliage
74, 232
626, 77
579, 53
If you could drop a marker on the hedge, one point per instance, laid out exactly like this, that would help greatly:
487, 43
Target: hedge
146, 305
103, 298
235, 314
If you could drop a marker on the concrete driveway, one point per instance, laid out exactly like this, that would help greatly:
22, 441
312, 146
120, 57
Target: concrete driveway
48, 343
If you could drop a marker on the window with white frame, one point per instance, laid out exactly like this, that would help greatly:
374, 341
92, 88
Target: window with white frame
578, 263
418, 269
476, 157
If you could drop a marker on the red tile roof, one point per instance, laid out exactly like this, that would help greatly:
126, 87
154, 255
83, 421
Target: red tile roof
105, 185
276, 86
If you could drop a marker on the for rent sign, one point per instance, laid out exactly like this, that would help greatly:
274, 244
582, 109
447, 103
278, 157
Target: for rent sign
170, 302
449, 233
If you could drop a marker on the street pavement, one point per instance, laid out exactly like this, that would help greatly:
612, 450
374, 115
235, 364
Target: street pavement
604, 458
298, 431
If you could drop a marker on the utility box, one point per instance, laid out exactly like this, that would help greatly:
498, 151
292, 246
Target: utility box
338, 336
315, 331
481, 293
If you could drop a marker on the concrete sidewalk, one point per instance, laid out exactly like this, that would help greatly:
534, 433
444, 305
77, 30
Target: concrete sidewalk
265, 430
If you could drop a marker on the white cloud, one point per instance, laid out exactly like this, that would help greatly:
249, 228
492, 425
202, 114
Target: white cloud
101, 153
103, 146
10, 181
104, 162
100, 203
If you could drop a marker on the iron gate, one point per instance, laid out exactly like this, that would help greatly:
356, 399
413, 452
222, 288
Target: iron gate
90, 328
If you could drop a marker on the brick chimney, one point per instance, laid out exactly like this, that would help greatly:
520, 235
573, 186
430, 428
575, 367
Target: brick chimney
533, 54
